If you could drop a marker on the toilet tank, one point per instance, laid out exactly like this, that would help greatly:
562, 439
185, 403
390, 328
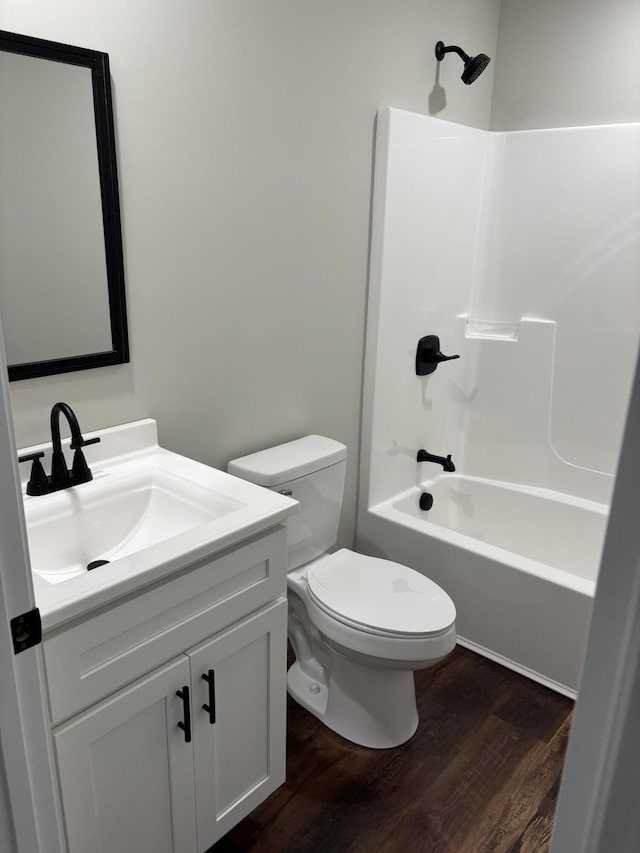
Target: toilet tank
313, 468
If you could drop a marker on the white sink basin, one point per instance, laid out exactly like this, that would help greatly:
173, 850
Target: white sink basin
147, 512
114, 516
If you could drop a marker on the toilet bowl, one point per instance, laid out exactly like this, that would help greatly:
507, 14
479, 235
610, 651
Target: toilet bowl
359, 626
355, 658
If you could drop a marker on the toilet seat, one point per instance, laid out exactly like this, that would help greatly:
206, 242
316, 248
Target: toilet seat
379, 597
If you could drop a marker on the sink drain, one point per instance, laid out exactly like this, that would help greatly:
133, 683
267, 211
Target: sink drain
95, 563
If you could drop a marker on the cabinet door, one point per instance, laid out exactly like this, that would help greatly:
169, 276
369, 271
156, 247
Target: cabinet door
126, 772
239, 758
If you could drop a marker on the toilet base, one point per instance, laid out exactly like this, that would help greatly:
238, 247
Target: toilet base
371, 707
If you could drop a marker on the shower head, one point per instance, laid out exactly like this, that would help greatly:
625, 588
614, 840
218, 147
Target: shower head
474, 68
473, 65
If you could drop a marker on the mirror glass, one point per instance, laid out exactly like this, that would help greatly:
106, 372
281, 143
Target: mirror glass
61, 275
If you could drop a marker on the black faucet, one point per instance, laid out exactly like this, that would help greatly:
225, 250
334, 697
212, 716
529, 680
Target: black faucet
61, 477
445, 461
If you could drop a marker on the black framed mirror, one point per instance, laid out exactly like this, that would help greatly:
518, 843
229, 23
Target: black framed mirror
62, 292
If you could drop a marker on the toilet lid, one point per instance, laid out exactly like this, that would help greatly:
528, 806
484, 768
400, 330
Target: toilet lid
380, 595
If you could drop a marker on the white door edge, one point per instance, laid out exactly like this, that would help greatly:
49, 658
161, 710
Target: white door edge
597, 807
29, 813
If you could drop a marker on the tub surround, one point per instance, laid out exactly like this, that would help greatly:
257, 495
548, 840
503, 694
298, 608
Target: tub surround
561, 534
517, 281
519, 563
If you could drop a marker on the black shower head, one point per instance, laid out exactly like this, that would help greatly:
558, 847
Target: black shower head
474, 68
473, 65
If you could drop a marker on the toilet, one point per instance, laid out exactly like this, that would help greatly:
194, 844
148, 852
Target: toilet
359, 626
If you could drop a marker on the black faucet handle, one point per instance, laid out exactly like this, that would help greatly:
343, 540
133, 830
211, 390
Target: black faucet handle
31, 457
37, 478
80, 471
77, 443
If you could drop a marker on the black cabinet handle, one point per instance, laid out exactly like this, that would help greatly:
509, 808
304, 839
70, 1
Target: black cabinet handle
210, 678
186, 725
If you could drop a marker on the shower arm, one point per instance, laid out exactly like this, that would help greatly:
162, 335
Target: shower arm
441, 50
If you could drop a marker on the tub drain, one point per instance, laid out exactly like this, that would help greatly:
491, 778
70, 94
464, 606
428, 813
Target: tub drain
94, 564
426, 501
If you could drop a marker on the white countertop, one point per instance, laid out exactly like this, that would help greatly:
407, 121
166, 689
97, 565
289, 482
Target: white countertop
125, 451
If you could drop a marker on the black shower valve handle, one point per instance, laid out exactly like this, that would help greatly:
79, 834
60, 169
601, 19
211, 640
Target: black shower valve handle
439, 356
428, 355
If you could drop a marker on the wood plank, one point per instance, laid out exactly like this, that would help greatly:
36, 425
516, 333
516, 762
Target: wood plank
481, 774
527, 808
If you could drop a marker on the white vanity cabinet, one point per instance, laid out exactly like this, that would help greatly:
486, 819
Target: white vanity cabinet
126, 774
132, 777
239, 740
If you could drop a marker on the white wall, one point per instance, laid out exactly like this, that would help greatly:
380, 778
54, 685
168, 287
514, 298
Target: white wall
562, 63
245, 135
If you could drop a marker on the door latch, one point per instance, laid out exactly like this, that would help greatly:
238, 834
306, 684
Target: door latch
26, 630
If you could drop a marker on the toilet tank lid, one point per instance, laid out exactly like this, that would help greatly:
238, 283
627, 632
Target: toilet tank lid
288, 461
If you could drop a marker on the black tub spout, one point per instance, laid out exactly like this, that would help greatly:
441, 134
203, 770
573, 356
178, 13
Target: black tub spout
445, 461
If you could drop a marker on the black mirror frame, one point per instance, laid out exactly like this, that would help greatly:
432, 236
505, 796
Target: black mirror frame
98, 63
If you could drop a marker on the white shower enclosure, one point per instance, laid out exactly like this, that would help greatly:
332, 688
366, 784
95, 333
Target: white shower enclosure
521, 251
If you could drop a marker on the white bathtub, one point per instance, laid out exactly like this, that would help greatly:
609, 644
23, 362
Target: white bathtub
520, 564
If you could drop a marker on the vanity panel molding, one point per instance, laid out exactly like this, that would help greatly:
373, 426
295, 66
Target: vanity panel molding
148, 771
91, 658
240, 757
126, 773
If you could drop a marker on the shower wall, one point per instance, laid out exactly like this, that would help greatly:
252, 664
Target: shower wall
521, 251
562, 243
423, 255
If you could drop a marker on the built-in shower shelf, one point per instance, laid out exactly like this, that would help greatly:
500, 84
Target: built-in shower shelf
492, 329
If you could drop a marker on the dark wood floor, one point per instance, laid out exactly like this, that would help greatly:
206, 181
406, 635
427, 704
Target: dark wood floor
481, 774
